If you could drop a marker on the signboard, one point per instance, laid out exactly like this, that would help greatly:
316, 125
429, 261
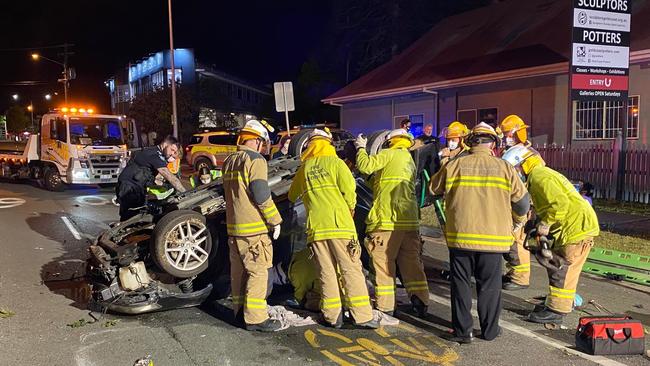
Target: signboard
601, 49
283, 91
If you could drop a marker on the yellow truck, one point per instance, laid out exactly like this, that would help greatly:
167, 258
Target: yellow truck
74, 146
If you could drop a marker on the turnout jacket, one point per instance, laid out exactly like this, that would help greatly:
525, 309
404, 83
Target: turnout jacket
480, 192
558, 204
250, 210
393, 187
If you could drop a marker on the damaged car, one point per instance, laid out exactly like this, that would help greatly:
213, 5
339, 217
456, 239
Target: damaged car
174, 253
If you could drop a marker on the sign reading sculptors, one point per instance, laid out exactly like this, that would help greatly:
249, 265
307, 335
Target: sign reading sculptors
601, 49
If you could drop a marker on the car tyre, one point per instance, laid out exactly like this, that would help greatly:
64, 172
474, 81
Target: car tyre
298, 141
182, 244
203, 162
376, 141
52, 180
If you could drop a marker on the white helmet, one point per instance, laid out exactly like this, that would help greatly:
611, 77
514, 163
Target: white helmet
526, 157
320, 134
400, 132
260, 129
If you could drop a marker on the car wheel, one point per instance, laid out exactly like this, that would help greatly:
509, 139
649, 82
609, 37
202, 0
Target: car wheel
376, 141
203, 162
52, 180
182, 244
297, 143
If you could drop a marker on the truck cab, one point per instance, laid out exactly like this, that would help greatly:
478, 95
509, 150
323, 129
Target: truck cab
85, 148
74, 146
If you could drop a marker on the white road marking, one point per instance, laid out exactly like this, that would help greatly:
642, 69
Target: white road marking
9, 202
92, 200
562, 346
71, 227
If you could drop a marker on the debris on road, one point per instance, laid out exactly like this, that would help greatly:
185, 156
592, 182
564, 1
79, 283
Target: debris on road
146, 361
6, 313
79, 323
110, 323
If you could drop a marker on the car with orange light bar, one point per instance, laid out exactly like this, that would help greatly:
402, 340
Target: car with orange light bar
74, 145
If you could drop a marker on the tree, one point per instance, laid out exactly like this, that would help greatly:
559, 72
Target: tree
17, 119
152, 112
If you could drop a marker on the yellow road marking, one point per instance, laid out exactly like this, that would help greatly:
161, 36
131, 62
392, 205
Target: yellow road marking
310, 336
335, 335
336, 358
373, 346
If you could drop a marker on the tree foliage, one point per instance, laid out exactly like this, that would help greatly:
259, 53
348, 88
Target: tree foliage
152, 112
17, 119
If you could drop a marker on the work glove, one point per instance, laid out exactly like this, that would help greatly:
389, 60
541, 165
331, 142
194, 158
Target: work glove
518, 226
276, 232
360, 142
543, 229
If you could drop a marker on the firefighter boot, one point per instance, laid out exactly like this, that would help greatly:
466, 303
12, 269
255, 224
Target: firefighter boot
269, 325
419, 307
546, 316
370, 324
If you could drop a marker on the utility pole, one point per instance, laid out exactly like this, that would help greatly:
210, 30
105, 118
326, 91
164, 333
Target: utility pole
66, 72
173, 81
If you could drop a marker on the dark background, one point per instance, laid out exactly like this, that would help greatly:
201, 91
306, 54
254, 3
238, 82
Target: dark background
320, 45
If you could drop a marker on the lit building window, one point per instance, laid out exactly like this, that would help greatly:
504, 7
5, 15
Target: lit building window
603, 120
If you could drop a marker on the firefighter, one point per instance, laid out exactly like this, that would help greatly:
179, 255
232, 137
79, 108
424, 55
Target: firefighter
392, 226
250, 215
518, 258
565, 215
328, 191
454, 134
140, 173
484, 198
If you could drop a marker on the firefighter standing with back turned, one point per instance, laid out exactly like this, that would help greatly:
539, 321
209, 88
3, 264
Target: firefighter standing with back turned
518, 258
250, 215
393, 237
569, 218
328, 191
484, 198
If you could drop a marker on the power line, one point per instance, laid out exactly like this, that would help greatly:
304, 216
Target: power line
35, 48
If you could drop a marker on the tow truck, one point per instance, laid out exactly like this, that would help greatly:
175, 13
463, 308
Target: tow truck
74, 146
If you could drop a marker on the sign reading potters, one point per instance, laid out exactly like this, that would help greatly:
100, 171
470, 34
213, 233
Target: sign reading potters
601, 49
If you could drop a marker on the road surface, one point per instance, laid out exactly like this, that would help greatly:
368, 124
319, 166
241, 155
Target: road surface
44, 239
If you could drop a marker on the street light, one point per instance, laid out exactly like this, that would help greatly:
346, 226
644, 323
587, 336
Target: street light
48, 97
15, 97
36, 57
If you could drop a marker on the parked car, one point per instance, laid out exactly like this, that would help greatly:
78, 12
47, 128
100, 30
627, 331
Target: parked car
175, 252
210, 149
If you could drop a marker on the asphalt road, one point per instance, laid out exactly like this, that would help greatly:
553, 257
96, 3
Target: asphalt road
43, 246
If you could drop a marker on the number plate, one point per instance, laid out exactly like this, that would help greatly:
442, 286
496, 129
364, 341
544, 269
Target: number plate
106, 176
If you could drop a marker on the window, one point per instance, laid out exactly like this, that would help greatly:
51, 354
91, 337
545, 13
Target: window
196, 140
489, 116
223, 139
178, 76
417, 124
58, 130
466, 116
603, 119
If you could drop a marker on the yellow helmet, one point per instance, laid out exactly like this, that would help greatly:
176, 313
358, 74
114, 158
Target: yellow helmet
318, 134
514, 124
456, 130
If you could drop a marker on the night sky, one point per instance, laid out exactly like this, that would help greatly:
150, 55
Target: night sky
261, 41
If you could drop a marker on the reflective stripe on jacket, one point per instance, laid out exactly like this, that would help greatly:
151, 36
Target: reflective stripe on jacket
479, 189
393, 187
250, 209
560, 205
328, 190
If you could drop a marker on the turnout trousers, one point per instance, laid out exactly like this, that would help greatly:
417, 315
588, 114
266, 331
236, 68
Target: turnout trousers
389, 250
518, 260
563, 281
486, 269
250, 259
344, 254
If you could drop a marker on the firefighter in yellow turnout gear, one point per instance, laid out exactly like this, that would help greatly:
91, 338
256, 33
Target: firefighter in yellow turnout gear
328, 191
250, 215
393, 237
569, 218
518, 258
455, 134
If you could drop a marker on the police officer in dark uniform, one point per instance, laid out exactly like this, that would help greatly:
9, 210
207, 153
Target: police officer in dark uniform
141, 171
